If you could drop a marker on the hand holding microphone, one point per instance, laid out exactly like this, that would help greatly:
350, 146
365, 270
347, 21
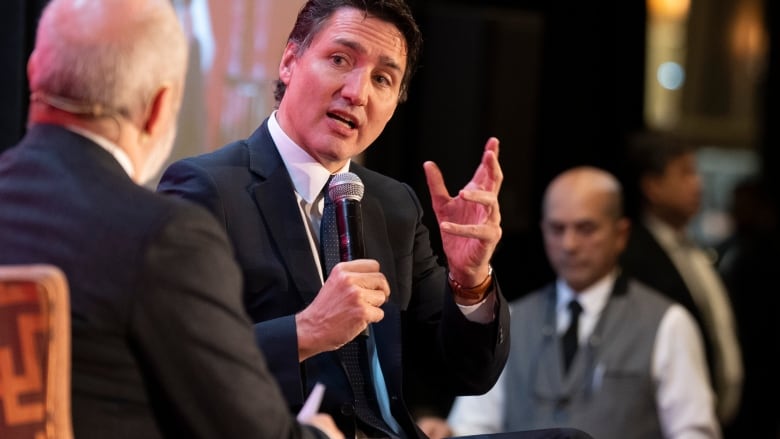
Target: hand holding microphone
354, 290
346, 191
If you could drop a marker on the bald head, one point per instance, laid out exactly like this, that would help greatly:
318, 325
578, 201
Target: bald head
586, 183
113, 53
583, 225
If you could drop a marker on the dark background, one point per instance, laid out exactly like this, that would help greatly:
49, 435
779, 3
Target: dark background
560, 83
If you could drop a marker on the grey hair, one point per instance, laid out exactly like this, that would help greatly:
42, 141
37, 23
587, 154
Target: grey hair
87, 55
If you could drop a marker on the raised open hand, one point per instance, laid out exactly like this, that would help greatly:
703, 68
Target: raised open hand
470, 222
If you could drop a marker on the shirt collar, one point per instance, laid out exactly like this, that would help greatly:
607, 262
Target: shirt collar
308, 175
118, 153
592, 299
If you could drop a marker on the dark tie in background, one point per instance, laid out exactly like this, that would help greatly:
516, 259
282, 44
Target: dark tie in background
570, 338
353, 354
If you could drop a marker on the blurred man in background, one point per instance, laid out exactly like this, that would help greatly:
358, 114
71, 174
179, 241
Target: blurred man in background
661, 254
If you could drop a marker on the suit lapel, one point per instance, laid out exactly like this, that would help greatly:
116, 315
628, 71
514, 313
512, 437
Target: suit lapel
377, 242
277, 205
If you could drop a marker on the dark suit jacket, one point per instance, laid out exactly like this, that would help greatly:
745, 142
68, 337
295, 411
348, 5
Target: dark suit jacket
647, 261
247, 187
162, 346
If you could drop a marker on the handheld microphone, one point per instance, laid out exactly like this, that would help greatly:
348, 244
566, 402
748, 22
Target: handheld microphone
346, 191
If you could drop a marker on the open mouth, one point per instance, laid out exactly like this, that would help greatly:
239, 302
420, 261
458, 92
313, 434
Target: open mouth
343, 120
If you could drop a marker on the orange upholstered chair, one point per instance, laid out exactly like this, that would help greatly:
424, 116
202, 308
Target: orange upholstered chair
34, 353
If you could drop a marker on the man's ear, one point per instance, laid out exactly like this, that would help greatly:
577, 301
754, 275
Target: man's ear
623, 231
31, 65
287, 63
650, 185
159, 111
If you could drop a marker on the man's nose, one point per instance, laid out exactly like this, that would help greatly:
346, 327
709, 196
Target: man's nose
356, 87
569, 239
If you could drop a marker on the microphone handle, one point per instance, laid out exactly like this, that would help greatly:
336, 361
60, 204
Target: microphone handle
349, 220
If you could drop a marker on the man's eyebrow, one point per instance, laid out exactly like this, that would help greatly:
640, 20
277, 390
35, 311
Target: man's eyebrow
356, 46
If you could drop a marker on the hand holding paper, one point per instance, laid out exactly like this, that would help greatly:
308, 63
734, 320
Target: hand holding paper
312, 404
309, 414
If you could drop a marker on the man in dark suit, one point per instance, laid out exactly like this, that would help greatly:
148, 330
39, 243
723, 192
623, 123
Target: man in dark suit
161, 343
346, 66
660, 254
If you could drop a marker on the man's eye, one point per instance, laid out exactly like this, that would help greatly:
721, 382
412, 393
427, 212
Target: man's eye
555, 229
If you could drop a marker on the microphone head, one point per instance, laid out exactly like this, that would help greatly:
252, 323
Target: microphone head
345, 186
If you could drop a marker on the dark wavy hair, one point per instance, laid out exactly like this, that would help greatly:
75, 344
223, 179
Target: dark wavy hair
315, 13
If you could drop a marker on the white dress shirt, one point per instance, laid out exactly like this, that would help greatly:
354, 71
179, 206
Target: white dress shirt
712, 299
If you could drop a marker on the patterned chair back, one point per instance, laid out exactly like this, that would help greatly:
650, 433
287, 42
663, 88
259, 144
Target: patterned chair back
34, 353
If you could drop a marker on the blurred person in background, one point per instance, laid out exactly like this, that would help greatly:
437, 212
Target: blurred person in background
660, 253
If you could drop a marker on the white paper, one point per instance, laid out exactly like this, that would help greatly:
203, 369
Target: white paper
312, 404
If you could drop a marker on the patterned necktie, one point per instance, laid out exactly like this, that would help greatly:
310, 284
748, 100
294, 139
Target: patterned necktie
354, 354
329, 233
570, 338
